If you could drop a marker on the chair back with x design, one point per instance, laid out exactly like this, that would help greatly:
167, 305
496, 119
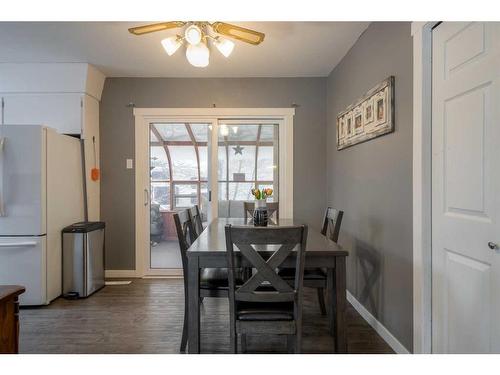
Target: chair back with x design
331, 223
265, 285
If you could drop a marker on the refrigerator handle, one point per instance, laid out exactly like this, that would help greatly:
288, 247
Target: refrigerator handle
2, 203
18, 244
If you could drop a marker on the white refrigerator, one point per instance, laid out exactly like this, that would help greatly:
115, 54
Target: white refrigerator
41, 192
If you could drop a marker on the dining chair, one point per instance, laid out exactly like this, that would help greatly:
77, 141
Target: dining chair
265, 303
196, 219
213, 281
316, 277
249, 207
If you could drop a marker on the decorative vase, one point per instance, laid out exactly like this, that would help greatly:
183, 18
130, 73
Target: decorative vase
260, 213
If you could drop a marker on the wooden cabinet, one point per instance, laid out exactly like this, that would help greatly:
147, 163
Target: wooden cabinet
9, 318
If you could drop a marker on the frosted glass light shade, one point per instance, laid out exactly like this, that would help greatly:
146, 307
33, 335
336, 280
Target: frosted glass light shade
171, 44
224, 46
198, 55
224, 130
193, 35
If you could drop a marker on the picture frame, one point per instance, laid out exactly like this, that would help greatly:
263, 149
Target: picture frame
357, 114
369, 117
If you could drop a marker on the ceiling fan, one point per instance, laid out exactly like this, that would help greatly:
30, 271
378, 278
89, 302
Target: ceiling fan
196, 36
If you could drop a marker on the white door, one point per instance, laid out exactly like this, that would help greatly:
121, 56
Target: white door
466, 188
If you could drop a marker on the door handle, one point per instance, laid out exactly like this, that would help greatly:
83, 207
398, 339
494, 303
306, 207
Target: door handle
146, 197
492, 245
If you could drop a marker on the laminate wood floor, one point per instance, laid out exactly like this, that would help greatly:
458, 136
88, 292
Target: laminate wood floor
146, 317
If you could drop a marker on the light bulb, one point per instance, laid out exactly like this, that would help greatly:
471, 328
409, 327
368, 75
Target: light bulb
224, 46
193, 35
235, 129
198, 55
171, 44
224, 131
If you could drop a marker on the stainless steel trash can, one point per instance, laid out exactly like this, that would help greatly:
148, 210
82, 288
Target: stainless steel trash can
83, 259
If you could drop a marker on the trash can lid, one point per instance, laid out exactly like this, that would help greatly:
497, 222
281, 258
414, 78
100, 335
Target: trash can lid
84, 227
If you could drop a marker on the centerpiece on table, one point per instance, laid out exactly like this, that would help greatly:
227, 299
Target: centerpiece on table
260, 210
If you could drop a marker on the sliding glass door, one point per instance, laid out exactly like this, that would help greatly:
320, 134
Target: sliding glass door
210, 162
178, 180
247, 158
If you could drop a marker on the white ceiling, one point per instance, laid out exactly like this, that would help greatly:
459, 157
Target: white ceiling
290, 49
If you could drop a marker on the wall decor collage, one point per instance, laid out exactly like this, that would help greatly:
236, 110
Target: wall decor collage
369, 117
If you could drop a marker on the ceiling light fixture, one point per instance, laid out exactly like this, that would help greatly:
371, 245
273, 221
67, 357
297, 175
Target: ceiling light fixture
193, 35
198, 55
172, 44
224, 46
196, 36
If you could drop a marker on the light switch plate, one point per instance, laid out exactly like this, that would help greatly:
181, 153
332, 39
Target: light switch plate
130, 164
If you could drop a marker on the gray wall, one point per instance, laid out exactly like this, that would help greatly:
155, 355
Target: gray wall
117, 141
372, 181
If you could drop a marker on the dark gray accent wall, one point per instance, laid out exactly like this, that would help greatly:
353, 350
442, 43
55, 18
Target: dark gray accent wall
372, 181
117, 141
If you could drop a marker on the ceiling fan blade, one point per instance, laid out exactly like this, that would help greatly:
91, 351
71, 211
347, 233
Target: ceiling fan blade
151, 28
238, 32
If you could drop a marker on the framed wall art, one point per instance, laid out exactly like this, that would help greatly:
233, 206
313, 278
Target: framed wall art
367, 118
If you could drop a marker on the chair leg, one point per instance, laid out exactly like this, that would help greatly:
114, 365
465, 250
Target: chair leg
184, 330
298, 342
321, 300
290, 343
233, 343
243, 342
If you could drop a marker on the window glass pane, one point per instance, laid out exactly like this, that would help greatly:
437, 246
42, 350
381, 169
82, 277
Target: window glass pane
186, 195
238, 132
267, 132
240, 191
152, 137
159, 164
173, 132
221, 163
203, 153
265, 163
242, 163
200, 132
160, 194
184, 164
185, 202
185, 189
222, 191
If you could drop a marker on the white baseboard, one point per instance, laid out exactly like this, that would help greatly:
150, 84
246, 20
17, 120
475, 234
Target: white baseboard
111, 274
377, 326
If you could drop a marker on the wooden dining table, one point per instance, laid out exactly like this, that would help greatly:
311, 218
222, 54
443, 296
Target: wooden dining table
209, 251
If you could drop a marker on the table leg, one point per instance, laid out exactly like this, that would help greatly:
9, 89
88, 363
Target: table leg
194, 305
340, 305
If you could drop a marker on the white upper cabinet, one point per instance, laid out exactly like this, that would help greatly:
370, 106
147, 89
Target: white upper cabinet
62, 112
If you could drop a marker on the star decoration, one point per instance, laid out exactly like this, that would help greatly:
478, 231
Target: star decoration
238, 150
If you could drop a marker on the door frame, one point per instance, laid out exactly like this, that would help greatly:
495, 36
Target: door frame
144, 116
422, 185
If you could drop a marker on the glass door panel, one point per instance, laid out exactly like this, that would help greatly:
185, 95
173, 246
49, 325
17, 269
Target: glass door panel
247, 158
179, 179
